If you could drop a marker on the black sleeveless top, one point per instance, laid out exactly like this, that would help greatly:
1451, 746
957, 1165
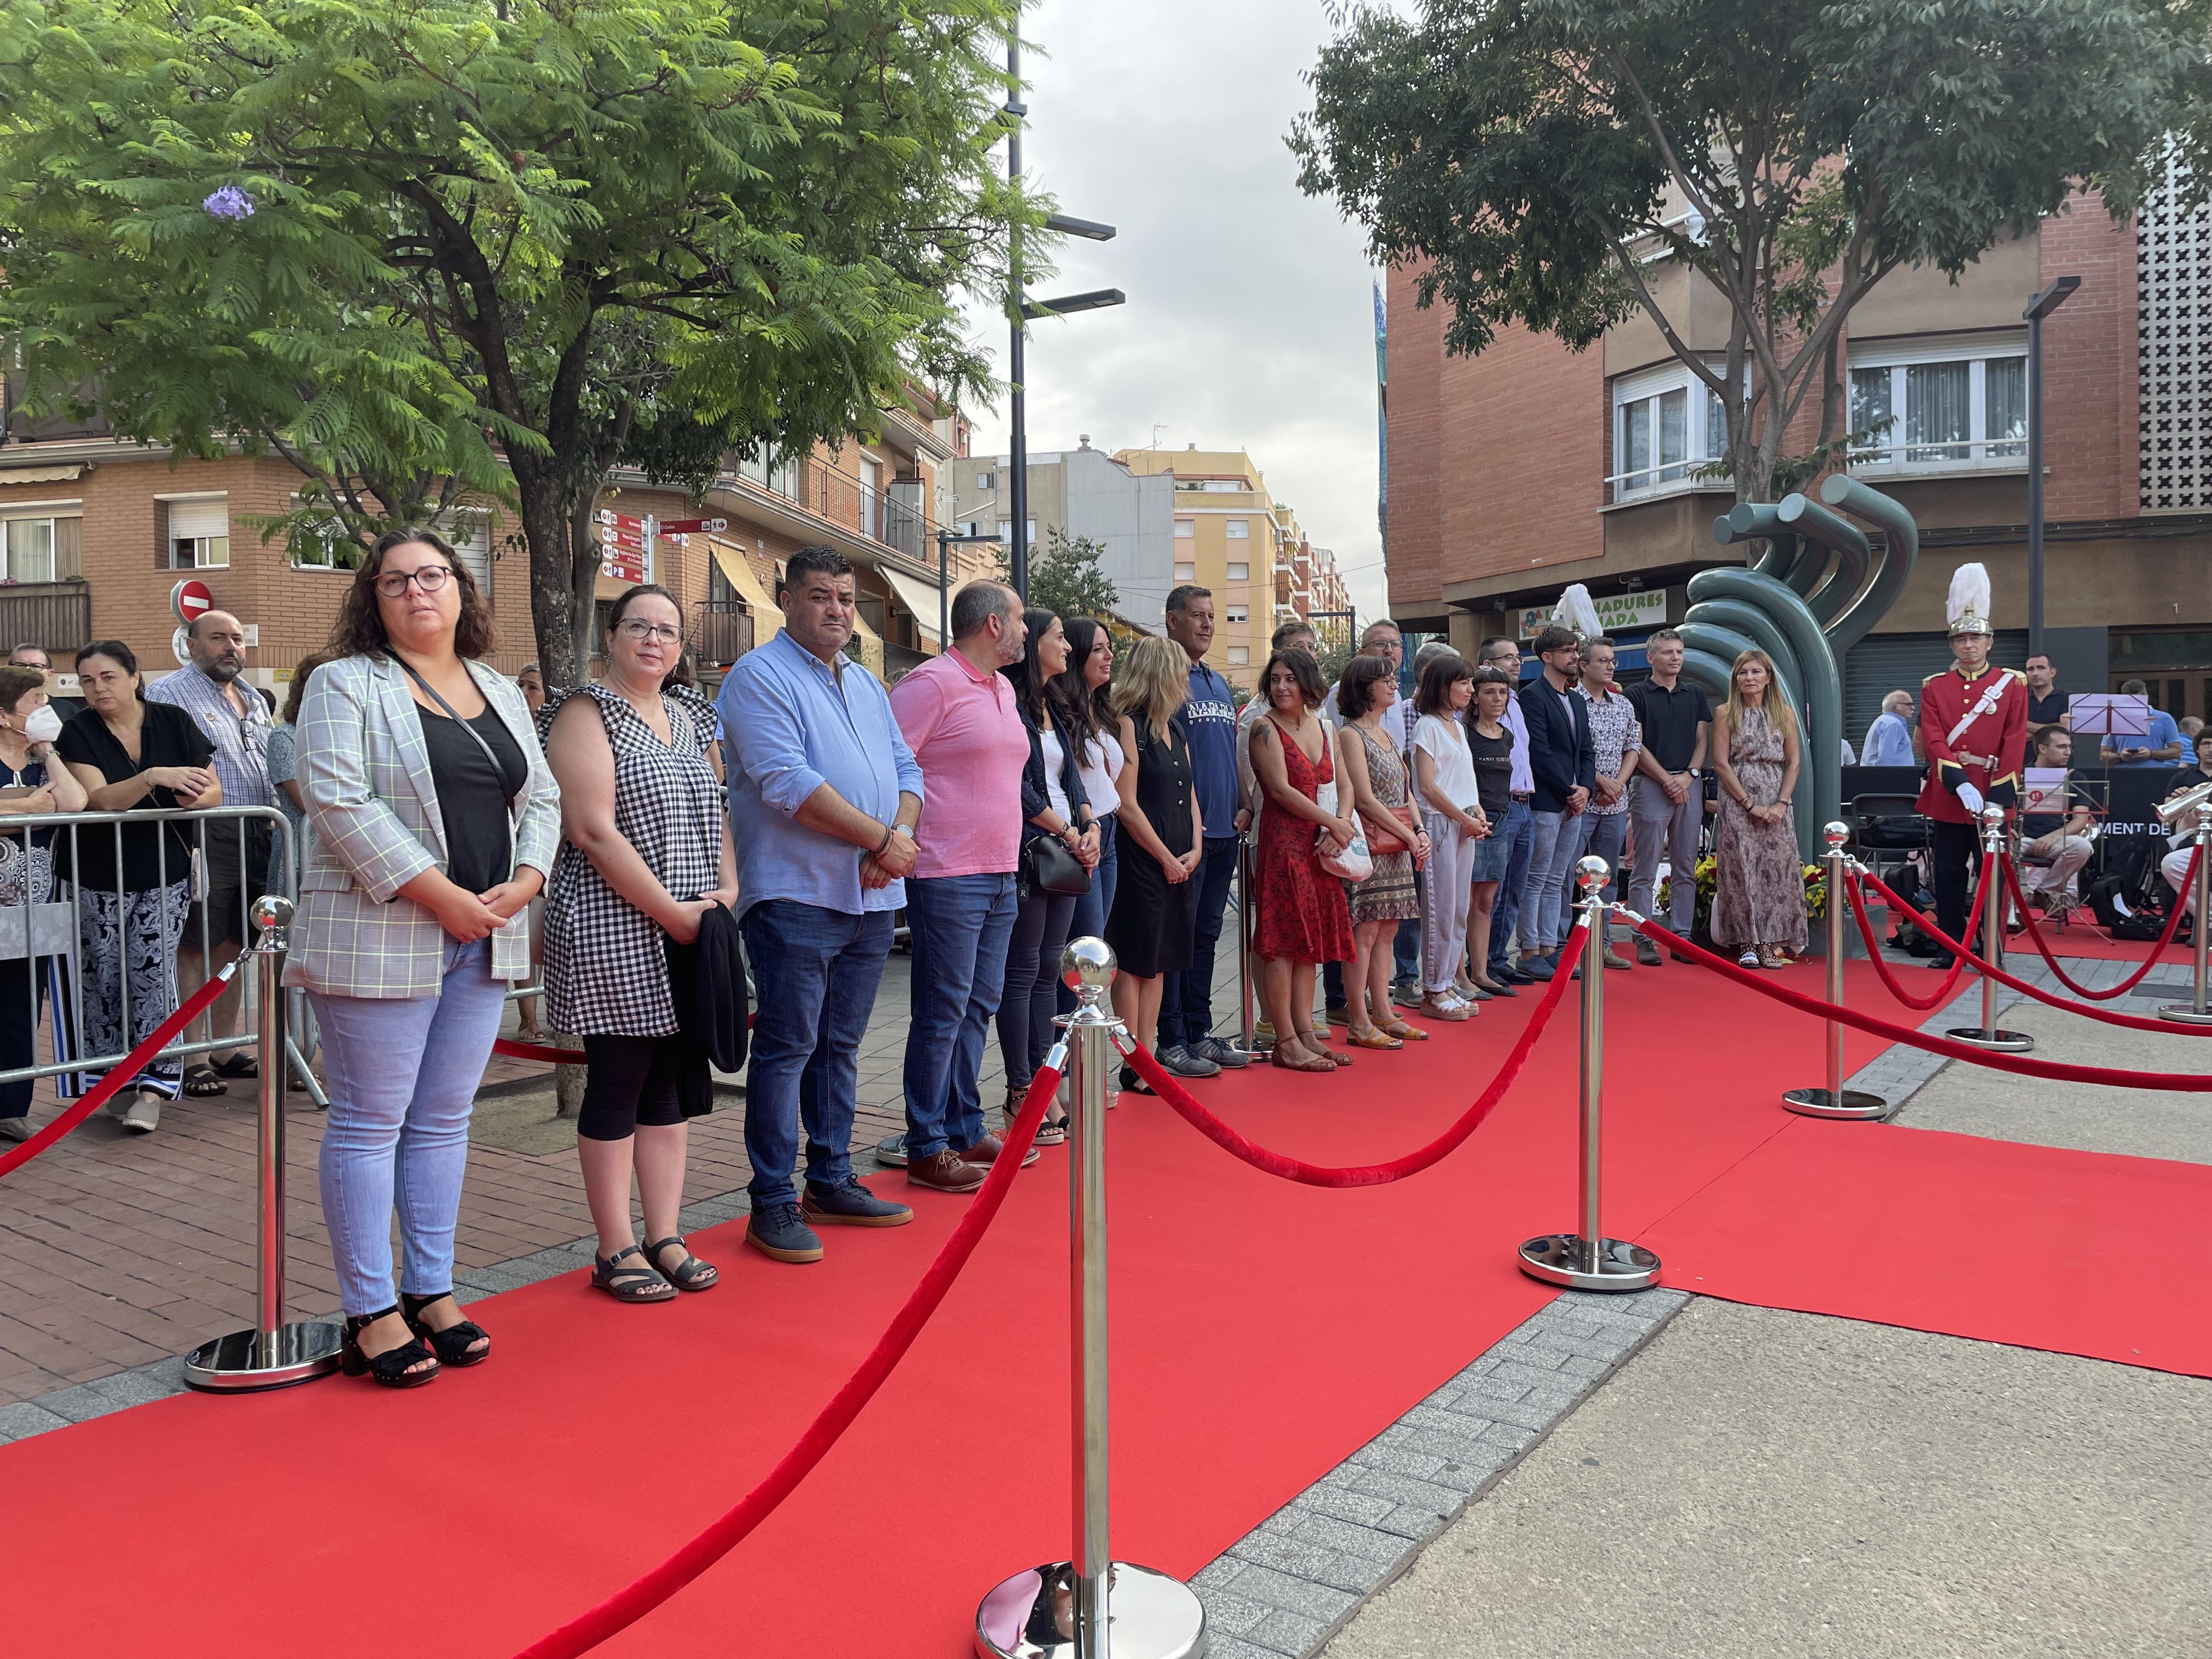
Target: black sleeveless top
1164, 783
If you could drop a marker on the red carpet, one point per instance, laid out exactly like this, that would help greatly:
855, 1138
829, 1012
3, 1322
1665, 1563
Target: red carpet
1263, 1331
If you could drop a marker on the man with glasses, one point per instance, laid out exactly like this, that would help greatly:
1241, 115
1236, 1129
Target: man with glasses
1517, 830
35, 656
235, 717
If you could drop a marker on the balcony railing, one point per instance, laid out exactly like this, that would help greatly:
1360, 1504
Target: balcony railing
722, 633
55, 615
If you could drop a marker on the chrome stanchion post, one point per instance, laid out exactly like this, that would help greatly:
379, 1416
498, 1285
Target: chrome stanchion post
1986, 1034
1835, 1100
1589, 1261
1066, 1609
273, 1354
2194, 1013
1246, 933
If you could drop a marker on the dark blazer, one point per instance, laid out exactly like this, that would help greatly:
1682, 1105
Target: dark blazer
1034, 799
1560, 753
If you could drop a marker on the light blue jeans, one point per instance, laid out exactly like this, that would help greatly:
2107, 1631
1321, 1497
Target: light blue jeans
1551, 845
403, 1073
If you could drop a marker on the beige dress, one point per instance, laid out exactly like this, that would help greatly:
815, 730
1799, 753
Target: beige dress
1759, 890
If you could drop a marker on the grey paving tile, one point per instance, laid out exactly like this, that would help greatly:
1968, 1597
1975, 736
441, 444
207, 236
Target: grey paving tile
20, 1419
1287, 1633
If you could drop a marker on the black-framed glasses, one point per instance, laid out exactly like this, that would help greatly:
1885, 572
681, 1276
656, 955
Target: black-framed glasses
667, 632
430, 578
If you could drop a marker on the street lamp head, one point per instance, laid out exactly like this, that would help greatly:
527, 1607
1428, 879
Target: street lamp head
2051, 299
1096, 299
1090, 229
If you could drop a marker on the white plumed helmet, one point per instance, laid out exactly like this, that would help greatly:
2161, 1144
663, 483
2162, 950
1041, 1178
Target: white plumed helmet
1577, 610
1967, 608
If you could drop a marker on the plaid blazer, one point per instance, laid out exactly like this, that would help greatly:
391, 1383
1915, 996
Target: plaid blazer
373, 826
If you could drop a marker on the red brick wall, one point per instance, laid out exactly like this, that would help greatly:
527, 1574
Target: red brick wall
2091, 429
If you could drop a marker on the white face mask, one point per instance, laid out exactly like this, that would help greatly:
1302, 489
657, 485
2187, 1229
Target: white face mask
44, 725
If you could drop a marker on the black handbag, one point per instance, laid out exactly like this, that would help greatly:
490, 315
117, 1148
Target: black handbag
1049, 868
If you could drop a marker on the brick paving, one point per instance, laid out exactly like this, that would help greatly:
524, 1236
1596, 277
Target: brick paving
123, 1251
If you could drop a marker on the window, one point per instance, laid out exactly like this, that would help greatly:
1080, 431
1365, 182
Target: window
1238, 529
323, 544
1940, 406
1185, 529
986, 480
1666, 425
1240, 570
1240, 656
470, 536
197, 534
1237, 613
1185, 573
30, 546
1224, 486
1006, 531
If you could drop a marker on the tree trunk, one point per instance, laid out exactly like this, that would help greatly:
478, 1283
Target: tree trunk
552, 587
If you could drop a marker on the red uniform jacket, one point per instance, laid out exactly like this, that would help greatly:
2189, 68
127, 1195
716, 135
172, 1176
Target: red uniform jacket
1998, 699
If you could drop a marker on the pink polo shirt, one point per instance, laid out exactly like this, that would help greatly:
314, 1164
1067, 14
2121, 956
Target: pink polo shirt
964, 728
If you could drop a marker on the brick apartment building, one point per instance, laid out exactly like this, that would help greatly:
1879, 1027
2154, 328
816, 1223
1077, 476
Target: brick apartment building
1515, 472
95, 532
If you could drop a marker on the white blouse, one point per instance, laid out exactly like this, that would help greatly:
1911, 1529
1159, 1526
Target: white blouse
1445, 745
1101, 766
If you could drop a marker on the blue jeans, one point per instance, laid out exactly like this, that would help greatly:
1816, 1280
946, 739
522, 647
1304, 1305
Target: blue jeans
1599, 837
960, 926
818, 970
1551, 842
1187, 999
1092, 907
1517, 829
402, 1075
1406, 945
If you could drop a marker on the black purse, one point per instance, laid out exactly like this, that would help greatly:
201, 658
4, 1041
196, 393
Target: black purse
1049, 868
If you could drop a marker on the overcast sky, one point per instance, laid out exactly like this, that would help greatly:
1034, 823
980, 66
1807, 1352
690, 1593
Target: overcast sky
1250, 319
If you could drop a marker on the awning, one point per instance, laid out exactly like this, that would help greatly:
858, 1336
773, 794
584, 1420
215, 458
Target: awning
921, 597
738, 570
872, 645
23, 474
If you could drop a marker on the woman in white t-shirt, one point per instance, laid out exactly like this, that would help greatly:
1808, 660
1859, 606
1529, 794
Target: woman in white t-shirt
1444, 785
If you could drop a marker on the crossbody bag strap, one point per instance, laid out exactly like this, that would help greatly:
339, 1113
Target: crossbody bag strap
475, 737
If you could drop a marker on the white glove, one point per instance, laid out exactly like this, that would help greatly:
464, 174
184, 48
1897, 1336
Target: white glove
1971, 799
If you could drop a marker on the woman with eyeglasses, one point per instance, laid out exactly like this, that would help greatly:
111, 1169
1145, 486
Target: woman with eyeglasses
648, 853
435, 818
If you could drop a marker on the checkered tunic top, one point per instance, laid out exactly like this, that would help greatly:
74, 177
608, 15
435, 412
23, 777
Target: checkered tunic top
606, 973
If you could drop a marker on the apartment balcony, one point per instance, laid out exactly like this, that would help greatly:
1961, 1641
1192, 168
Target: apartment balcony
55, 615
722, 632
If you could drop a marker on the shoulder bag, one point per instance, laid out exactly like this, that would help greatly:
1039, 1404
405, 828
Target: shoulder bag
1049, 868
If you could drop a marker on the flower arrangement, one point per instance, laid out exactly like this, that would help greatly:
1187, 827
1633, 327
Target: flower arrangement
1706, 874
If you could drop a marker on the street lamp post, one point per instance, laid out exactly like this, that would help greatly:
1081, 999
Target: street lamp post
1024, 308
945, 538
2037, 308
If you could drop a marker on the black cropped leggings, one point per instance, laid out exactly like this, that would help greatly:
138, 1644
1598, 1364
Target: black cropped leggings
632, 1081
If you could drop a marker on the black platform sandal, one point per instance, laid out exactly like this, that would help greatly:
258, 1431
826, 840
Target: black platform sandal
456, 1344
689, 1274
629, 1284
393, 1368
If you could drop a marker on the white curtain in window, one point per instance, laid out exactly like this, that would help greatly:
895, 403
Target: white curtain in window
1938, 411
1673, 432
1636, 419
2005, 400
31, 549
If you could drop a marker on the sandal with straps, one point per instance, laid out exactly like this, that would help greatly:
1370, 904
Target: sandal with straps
631, 1283
456, 1344
392, 1368
689, 1274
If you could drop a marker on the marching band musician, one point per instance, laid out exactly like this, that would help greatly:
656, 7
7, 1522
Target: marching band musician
1973, 722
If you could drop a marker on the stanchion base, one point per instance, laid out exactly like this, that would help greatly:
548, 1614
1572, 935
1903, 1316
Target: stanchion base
238, 1363
891, 1150
1150, 1616
2009, 1042
1825, 1102
1564, 1259
2184, 1013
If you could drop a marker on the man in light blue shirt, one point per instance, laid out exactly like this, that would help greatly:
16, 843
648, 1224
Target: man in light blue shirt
2160, 746
824, 795
1889, 739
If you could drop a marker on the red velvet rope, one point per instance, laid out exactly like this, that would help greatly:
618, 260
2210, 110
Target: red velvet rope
119, 1076
538, 1052
1959, 958
2172, 927
2194, 1083
2137, 1022
1370, 1175
639, 1597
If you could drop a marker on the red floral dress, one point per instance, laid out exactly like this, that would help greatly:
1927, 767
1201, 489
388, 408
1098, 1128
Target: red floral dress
1303, 914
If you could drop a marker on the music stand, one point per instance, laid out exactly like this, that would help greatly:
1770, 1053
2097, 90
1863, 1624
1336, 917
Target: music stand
2109, 714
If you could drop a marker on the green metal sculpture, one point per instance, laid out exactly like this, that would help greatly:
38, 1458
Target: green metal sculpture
1816, 589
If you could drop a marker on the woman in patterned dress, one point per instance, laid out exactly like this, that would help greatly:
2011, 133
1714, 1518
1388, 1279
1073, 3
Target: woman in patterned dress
646, 853
1303, 921
1758, 892
1372, 772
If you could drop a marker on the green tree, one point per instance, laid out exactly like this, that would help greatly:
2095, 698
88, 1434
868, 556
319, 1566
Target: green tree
1064, 576
497, 246
1533, 160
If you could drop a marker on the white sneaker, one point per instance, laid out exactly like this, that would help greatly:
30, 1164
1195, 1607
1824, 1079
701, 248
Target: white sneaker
144, 1115
16, 1128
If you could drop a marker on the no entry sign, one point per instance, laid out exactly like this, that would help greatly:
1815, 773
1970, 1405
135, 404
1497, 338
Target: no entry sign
190, 599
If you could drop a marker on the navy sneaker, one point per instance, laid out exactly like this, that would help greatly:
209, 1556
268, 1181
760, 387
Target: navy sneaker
848, 1204
1227, 1055
780, 1233
1535, 967
1179, 1061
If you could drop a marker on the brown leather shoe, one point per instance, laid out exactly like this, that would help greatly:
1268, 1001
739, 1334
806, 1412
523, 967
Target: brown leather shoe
986, 1152
945, 1172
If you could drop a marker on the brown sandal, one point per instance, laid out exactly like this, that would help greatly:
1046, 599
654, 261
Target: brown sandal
1403, 1032
1315, 1045
1373, 1037
1311, 1063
